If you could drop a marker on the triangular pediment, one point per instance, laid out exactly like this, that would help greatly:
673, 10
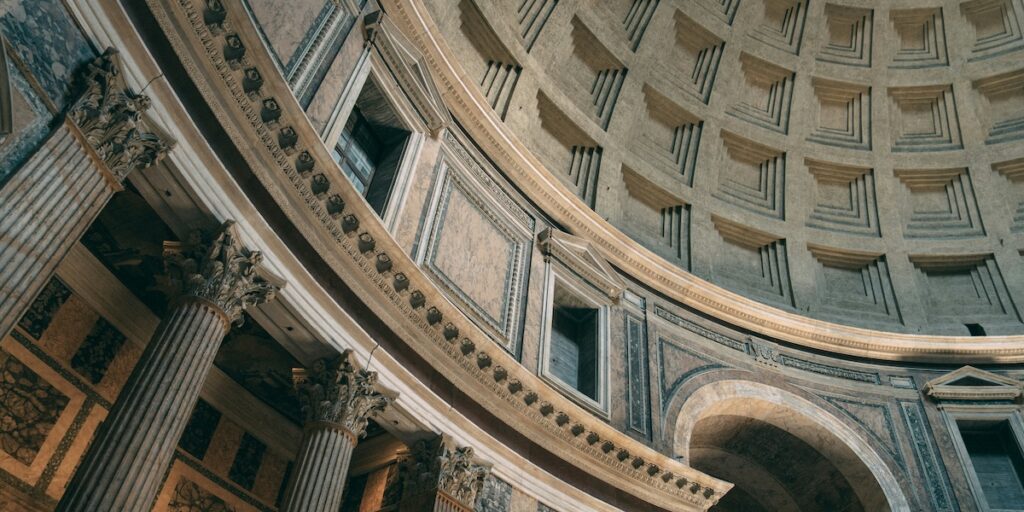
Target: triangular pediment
970, 383
409, 70
579, 256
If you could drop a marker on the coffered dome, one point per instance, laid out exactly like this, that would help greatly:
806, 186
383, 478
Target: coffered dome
857, 162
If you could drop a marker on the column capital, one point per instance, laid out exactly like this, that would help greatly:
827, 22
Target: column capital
109, 117
338, 393
439, 464
220, 271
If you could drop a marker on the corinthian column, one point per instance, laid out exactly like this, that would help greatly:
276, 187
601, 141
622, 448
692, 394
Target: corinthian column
337, 399
439, 476
50, 202
213, 284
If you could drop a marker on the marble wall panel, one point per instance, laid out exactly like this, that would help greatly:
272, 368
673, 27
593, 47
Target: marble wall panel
45, 38
189, 489
60, 371
288, 35
477, 244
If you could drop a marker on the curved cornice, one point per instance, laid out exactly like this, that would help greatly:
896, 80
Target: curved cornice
255, 106
543, 188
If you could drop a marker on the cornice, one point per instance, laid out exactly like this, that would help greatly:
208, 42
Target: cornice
527, 173
237, 78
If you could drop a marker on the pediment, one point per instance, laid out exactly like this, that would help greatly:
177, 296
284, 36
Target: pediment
970, 383
579, 256
409, 70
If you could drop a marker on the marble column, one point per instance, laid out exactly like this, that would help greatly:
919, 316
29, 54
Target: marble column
57, 194
212, 284
437, 475
337, 399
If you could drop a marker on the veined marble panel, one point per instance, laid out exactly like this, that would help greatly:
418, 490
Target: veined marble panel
44, 36
30, 125
287, 36
477, 244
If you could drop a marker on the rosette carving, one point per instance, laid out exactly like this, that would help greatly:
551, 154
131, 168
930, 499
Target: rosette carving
109, 116
338, 393
220, 271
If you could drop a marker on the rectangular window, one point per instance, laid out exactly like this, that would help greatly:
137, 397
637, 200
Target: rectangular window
574, 342
575, 345
997, 461
370, 147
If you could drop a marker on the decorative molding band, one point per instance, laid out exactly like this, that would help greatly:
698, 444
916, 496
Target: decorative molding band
294, 166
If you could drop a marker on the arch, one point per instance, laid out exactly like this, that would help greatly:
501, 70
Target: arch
796, 415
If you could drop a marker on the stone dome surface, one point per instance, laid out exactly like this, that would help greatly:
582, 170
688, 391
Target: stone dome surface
854, 162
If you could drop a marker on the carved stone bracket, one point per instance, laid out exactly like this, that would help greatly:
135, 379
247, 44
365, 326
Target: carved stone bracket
338, 393
439, 465
109, 115
219, 271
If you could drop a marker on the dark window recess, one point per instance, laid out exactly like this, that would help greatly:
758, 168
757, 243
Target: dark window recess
353, 494
997, 461
574, 343
199, 430
247, 461
975, 329
371, 145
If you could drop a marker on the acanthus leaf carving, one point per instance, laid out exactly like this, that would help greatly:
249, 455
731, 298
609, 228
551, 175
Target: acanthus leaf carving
338, 393
440, 465
109, 115
220, 271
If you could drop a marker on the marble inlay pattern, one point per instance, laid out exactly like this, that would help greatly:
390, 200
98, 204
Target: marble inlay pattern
97, 351
247, 461
200, 428
637, 399
40, 313
29, 407
46, 39
189, 497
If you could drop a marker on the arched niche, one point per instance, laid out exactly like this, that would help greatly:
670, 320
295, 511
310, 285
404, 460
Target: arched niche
782, 451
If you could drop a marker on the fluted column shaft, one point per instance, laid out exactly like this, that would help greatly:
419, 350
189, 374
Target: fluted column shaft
336, 399
320, 469
215, 281
44, 209
124, 467
50, 202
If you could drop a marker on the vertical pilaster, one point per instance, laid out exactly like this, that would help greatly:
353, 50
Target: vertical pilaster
124, 467
337, 399
53, 199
